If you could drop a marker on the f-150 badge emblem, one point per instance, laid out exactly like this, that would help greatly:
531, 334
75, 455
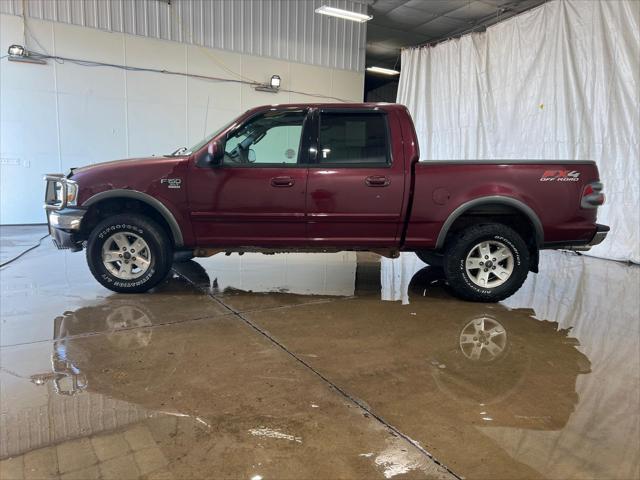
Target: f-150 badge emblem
172, 182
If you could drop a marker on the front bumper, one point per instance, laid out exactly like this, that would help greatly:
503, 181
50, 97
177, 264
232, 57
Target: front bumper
64, 227
64, 221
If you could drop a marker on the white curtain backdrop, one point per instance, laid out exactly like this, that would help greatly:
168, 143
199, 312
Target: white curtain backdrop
558, 82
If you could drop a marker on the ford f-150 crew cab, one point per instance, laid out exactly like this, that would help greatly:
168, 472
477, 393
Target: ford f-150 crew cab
324, 177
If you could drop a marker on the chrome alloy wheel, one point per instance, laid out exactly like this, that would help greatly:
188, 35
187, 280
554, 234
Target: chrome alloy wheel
489, 264
483, 339
126, 255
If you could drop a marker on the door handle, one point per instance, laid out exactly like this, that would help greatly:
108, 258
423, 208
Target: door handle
282, 182
377, 181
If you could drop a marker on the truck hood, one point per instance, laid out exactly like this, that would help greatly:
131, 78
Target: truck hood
117, 164
148, 175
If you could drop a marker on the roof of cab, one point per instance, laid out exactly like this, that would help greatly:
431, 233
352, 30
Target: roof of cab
371, 106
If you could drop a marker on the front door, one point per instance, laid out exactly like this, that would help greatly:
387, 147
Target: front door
256, 197
356, 185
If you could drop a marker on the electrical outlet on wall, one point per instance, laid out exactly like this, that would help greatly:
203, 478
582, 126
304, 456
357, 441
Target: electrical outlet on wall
14, 162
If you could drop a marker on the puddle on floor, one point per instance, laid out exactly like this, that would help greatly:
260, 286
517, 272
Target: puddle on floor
539, 385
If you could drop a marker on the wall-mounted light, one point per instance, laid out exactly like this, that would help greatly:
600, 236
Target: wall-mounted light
273, 86
17, 53
383, 71
344, 14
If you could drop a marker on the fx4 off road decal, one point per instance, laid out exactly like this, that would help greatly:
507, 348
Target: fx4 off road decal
560, 176
172, 182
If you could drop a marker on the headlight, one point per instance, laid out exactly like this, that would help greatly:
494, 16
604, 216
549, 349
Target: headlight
72, 192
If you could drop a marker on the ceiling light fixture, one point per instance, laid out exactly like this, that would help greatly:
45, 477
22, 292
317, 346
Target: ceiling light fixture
383, 71
344, 14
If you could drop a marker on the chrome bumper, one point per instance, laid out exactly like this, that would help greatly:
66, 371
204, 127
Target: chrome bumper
68, 219
64, 227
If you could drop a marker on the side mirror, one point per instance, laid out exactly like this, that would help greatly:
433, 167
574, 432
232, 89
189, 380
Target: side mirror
213, 155
215, 152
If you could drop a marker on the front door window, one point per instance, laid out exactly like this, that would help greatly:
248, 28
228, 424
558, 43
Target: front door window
270, 139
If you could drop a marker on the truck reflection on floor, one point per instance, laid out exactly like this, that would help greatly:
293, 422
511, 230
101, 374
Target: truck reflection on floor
65, 375
487, 359
296, 273
67, 379
497, 357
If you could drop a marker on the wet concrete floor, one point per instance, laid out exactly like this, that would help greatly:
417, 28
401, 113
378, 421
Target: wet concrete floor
316, 366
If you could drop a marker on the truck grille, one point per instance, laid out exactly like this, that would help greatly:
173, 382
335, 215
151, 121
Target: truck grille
55, 192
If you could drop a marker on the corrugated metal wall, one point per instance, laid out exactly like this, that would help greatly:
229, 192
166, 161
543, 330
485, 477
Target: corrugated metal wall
286, 29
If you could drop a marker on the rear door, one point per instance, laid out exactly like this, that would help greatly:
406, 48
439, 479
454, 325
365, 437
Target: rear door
257, 196
355, 183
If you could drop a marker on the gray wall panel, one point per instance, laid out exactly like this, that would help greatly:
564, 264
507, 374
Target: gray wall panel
286, 29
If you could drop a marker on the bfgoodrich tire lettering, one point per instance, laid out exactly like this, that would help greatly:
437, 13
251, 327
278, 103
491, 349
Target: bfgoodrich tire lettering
132, 227
459, 255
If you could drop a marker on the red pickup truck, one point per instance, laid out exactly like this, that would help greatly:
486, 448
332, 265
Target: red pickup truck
324, 177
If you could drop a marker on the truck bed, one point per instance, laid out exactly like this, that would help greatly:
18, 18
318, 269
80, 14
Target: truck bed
549, 191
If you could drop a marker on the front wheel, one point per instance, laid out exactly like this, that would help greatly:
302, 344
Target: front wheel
486, 263
129, 253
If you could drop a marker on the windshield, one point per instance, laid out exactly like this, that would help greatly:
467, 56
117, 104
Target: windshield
201, 143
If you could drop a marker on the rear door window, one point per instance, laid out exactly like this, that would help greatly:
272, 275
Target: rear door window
353, 139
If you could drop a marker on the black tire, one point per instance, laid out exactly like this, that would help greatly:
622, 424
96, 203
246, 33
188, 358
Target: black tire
459, 247
158, 243
431, 258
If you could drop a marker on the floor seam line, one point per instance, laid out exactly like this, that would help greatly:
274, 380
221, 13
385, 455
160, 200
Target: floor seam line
128, 329
325, 379
282, 307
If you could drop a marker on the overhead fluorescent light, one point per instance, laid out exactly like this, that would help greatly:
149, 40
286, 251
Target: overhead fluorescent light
383, 71
345, 14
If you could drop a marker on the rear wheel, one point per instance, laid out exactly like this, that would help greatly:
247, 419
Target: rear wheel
129, 253
486, 263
